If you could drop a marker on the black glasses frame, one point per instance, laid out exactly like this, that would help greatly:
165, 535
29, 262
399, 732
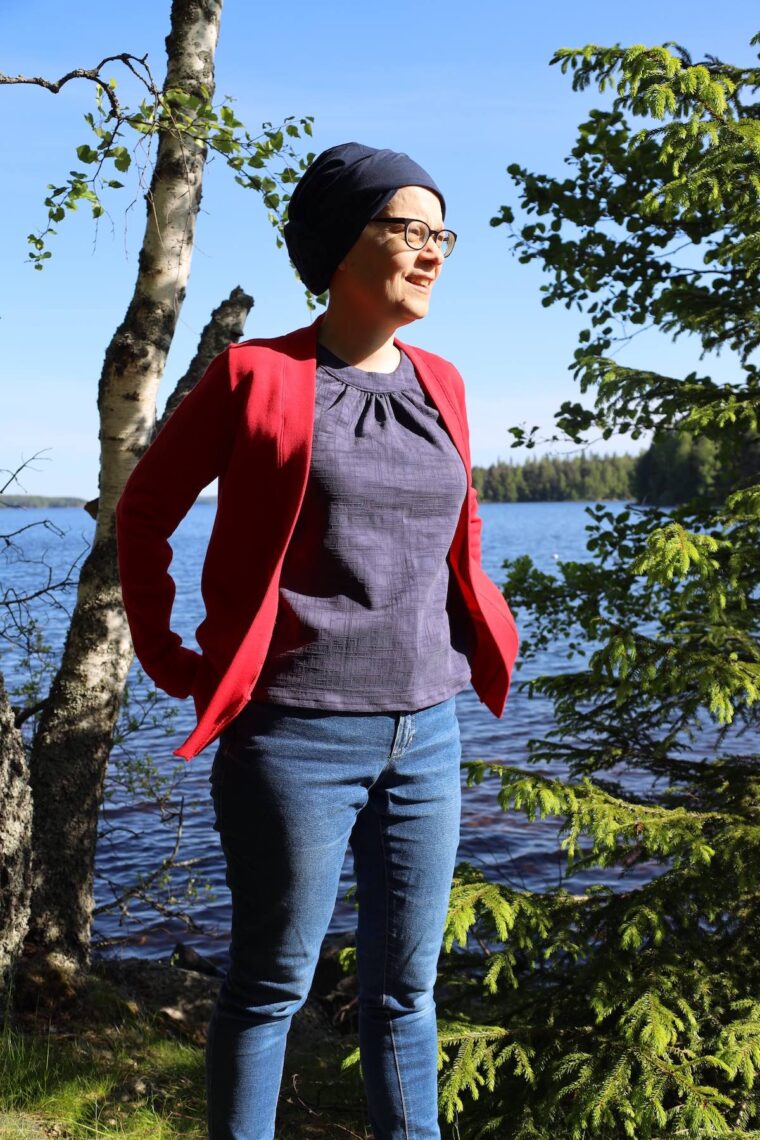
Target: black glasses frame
435, 234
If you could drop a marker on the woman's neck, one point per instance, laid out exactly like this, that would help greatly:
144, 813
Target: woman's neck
370, 349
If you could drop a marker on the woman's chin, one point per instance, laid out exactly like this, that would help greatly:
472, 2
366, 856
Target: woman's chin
415, 307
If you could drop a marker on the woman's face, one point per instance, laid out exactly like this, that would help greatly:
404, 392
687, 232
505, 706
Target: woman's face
383, 278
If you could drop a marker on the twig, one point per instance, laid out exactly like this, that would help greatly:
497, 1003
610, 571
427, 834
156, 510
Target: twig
13, 475
314, 1111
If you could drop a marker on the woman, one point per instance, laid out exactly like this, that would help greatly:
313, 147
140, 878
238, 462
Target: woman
345, 607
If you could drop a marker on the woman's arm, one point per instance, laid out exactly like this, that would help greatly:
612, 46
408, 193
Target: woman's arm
187, 454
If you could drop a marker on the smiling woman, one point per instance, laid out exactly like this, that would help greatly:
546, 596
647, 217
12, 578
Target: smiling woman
385, 279
346, 606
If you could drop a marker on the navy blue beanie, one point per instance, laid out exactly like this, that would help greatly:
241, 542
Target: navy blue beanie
339, 193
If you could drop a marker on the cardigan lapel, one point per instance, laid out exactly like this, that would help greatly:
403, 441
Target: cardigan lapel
440, 393
297, 399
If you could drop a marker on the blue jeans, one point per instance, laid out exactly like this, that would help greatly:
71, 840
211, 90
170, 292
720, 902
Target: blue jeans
291, 787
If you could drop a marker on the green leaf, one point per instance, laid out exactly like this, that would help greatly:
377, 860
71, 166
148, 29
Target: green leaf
121, 157
85, 153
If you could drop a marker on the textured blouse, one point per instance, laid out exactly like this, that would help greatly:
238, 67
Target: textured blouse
368, 617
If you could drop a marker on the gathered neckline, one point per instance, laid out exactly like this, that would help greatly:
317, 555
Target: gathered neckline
402, 379
325, 355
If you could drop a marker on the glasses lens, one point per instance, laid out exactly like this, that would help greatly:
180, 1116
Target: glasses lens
446, 240
417, 234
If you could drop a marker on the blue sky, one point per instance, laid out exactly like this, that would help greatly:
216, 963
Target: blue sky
464, 88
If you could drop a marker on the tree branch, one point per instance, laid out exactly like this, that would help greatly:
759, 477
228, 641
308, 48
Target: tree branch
132, 62
224, 327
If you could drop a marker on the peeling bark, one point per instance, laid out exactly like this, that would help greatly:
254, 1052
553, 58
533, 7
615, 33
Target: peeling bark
15, 838
75, 732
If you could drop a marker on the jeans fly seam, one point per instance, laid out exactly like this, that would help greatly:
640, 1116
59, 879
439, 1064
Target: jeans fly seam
411, 733
404, 736
385, 975
398, 736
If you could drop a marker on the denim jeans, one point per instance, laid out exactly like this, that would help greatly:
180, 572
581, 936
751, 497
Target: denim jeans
291, 787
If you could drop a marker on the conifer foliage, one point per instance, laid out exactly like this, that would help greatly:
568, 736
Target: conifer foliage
557, 479
633, 1009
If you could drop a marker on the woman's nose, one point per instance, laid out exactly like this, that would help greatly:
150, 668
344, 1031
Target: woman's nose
432, 250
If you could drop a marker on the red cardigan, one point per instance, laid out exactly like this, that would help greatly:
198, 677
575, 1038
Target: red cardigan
249, 421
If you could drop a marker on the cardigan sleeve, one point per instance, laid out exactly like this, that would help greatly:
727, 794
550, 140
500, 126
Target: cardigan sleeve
186, 455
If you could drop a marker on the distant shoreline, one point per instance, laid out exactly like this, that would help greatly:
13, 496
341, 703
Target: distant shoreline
45, 502
40, 501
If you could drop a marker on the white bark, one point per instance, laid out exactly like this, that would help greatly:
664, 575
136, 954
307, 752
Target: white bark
75, 733
135, 361
15, 839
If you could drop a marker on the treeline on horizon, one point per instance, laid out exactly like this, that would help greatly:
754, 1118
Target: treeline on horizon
43, 502
676, 468
553, 479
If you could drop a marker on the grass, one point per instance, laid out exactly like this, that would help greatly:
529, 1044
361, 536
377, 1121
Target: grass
123, 1080
103, 1068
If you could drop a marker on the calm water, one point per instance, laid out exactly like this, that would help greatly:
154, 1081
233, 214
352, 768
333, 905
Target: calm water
506, 846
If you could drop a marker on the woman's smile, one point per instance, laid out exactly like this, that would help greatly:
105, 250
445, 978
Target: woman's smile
423, 283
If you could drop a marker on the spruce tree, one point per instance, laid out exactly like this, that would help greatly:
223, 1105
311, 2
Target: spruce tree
634, 1011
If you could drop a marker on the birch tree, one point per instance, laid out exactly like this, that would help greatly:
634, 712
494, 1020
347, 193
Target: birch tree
74, 733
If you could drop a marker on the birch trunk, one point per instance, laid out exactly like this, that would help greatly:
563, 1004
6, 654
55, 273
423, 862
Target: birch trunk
15, 838
75, 732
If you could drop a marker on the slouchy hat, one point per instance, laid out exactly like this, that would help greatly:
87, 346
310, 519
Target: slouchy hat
339, 193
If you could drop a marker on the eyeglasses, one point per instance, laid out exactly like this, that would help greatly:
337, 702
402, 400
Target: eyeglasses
418, 233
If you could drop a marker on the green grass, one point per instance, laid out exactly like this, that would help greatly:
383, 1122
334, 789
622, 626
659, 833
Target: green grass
126, 1080
103, 1069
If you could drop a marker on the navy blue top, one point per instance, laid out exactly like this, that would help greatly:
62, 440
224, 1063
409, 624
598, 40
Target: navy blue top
369, 616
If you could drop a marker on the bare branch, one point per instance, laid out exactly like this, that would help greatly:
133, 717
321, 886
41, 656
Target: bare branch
13, 475
46, 524
140, 889
133, 62
21, 715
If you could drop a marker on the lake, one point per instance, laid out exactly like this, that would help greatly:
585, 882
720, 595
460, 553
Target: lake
505, 845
